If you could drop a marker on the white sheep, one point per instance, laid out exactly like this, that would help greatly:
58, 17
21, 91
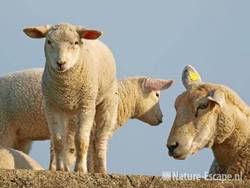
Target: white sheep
192, 78
214, 116
24, 120
14, 159
21, 116
139, 99
79, 80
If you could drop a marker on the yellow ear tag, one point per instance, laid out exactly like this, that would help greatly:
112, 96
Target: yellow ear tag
193, 76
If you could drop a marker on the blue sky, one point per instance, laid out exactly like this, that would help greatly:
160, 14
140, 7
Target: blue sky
153, 38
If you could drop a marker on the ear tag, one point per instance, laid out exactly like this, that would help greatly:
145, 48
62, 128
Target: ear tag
193, 76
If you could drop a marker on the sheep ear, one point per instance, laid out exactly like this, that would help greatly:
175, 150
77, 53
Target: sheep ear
89, 33
37, 32
217, 97
150, 84
190, 77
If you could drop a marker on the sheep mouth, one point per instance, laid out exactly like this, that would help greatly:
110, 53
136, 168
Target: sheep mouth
182, 153
155, 123
61, 69
180, 156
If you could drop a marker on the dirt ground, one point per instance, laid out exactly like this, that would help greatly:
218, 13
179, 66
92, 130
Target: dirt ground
28, 178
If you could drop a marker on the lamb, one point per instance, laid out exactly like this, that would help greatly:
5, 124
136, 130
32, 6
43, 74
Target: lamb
139, 98
214, 116
79, 80
24, 120
14, 159
22, 117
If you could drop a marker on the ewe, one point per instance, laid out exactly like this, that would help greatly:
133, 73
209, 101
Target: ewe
79, 79
212, 115
23, 120
190, 74
14, 159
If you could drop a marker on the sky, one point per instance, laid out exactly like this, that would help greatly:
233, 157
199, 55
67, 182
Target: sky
148, 38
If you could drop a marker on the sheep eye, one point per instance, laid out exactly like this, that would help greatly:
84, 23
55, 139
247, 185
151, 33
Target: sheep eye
157, 95
76, 43
201, 106
49, 42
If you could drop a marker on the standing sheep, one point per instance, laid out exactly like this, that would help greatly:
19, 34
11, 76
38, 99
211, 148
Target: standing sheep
21, 114
14, 159
139, 99
23, 120
79, 79
214, 116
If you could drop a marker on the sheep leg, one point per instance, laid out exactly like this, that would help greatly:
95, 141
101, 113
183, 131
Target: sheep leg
86, 119
105, 119
57, 125
52, 162
8, 136
69, 145
90, 159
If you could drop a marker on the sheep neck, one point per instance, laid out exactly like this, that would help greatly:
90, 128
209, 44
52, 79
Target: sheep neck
66, 78
63, 88
229, 150
128, 92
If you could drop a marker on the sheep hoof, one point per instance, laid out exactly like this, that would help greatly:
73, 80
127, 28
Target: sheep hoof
79, 168
52, 168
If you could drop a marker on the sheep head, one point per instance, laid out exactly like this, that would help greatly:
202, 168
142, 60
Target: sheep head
148, 108
63, 43
200, 119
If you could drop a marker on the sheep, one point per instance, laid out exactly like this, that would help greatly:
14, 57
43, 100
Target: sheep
21, 113
14, 159
190, 74
79, 80
138, 98
24, 118
214, 116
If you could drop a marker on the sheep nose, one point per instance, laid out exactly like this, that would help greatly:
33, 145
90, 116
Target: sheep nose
160, 121
172, 147
60, 62
61, 65
160, 117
